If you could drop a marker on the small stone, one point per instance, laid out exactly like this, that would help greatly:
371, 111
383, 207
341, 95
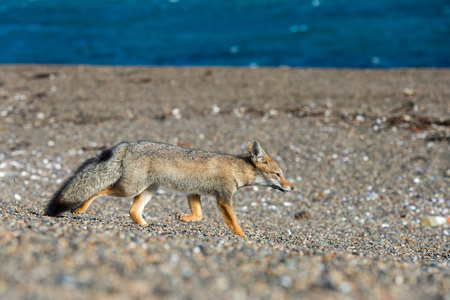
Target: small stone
285, 281
303, 215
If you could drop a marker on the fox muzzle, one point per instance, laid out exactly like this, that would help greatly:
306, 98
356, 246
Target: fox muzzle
282, 189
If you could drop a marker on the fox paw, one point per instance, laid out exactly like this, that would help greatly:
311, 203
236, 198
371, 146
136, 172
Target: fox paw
187, 218
181, 216
77, 212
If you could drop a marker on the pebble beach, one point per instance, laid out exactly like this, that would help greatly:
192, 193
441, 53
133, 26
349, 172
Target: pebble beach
367, 152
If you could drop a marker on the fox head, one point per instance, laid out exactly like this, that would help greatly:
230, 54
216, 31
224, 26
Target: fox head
268, 173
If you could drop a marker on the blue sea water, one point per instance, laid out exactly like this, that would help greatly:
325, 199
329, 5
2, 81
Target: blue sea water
311, 33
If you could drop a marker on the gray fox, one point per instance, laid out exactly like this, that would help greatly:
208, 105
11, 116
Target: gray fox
136, 169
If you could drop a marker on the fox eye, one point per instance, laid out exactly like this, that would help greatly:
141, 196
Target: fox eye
277, 174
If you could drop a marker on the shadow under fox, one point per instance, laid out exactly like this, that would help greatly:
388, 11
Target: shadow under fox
137, 169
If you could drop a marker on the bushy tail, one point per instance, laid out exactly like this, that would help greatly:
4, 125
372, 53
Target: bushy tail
92, 177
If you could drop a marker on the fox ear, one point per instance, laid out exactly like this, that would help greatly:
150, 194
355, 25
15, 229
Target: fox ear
257, 152
249, 145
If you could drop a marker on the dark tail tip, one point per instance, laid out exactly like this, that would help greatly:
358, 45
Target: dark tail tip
55, 206
52, 210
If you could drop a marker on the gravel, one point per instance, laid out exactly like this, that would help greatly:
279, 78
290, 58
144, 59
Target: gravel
366, 150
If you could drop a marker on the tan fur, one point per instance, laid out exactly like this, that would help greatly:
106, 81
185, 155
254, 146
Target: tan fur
143, 166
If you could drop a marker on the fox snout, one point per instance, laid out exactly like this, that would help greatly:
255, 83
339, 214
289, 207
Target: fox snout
284, 189
283, 185
290, 189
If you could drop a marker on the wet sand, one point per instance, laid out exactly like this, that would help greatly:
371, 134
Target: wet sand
366, 150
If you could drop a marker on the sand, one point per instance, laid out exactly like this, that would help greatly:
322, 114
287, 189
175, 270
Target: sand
366, 150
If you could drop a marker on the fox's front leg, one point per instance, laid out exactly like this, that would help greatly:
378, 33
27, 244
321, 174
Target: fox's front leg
226, 208
196, 210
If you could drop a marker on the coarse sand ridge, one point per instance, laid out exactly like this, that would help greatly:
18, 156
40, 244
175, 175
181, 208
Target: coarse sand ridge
366, 150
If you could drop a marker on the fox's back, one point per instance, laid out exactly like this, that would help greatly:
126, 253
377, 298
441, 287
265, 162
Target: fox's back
170, 152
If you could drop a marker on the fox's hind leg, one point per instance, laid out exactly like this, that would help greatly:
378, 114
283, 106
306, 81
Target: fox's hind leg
86, 204
196, 210
139, 203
